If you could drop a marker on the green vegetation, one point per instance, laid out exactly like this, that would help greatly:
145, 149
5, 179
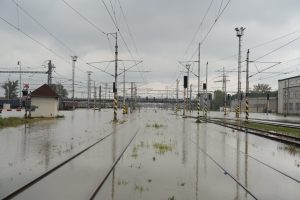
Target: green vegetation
10, 89
16, 121
171, 198
60, 116
135, 152
60, 90
122, 182
292, 149
267, 127
155, 125
277, 129
162, 148
140, 188
137, 147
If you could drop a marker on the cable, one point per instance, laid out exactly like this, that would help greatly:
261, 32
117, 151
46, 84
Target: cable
84, 18
286, 44
121, 35
198, 29
35, 40
43, 27
216, 19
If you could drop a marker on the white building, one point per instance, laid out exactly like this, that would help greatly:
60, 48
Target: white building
289, 96
46, 102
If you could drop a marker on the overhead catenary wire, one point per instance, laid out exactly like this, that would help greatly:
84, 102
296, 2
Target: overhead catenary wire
84, 18
35, 40
120, 33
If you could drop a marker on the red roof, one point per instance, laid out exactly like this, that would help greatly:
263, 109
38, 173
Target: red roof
44, 91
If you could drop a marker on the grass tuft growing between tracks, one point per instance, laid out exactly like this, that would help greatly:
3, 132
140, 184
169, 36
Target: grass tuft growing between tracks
277, 129
17, 121
162, 148
155, 125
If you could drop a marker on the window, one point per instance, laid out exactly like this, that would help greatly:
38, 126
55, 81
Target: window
290, 106
284, 106
297, 95
297, 106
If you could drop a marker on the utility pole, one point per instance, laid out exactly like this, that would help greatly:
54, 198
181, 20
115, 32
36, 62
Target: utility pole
185, 86
74, 58
105, 94
135, 97
89, 88
20, 92
225, 91
198, 93
177, 84
99, 97
239, 34
131, 97
247, 86
124, 103
50, 68
188, 66
94, 96
190, 104
206, 72
115, 35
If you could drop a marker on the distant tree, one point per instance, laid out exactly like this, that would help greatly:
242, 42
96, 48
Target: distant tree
60, 90
11, 89
261, 88
218, 100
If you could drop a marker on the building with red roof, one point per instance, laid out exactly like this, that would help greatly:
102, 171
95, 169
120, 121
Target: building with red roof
45, 101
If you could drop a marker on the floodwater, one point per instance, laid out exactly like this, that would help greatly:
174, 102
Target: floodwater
170, 158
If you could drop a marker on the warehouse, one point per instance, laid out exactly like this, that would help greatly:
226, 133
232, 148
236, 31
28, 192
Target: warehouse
289, 96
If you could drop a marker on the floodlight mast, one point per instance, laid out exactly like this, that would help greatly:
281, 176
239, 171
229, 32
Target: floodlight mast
239, 34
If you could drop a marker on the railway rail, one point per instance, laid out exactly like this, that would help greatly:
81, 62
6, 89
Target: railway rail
284, 138
51, 171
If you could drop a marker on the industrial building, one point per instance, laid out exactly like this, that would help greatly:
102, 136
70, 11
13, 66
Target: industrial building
257, 104
289, 96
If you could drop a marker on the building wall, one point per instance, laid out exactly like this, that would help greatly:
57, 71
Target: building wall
47, 107
289, 96
257, 104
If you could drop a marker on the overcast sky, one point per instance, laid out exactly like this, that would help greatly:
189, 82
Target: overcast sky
160, 34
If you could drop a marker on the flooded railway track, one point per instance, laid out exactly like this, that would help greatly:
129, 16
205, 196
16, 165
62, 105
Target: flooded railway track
39, 178
259, 132
103, 180
51, 171
266, 122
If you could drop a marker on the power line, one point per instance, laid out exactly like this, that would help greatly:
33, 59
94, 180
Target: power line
33, 39
121, 35
43, 27
84, 18
199, 28
215, 21
286, 44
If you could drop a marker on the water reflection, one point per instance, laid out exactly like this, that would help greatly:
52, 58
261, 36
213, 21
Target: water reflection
246, 162
197, 161
114, 128
237, 165
205, 148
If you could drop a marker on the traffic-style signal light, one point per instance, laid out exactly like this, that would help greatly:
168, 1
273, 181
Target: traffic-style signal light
185, 80
114, 87
204, 86
268, 96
